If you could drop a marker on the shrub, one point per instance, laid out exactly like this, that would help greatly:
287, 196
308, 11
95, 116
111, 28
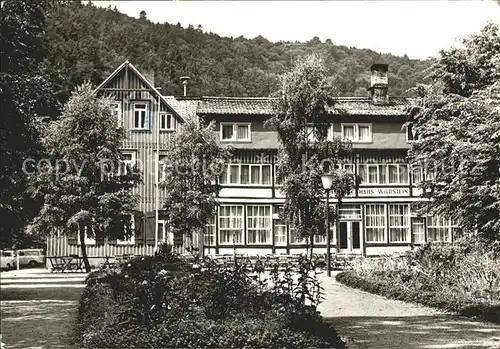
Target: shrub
463, 278
239, 332
206, 305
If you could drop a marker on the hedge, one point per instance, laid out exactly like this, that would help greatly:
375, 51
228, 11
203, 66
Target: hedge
482, 310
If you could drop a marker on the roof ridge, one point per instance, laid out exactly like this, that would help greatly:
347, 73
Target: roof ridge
236, 98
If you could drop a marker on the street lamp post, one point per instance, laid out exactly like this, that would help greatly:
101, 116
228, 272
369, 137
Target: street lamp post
327, 181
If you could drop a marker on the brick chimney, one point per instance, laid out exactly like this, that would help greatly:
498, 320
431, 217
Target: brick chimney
379, 83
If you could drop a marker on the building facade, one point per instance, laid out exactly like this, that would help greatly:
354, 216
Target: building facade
375, 219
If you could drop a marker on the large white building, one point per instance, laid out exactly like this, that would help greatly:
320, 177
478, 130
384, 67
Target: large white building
375, 219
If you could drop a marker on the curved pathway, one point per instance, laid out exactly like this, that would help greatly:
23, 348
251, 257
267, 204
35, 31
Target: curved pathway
38, 309
365, 320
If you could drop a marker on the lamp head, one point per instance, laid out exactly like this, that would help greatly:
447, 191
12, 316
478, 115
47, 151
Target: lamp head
327, 181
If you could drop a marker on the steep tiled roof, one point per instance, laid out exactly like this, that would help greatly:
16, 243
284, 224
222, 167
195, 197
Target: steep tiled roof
364, 106
234, 105
262, 106
186, 108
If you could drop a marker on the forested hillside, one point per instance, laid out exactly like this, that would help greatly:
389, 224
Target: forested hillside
87, 42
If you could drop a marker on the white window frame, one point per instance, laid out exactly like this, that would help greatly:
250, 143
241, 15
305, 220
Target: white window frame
145, 116
209, 237
405, 218
367, 226
291, 231
350, 212
127, 163
386, 172
268, 229
319, 239
116, 111
356, 132
231, 220
235, 131
417, 221
276, 184
131, 239
447, 226
280, 235
166, 116
166, 235
227, 173
408, 131
311, 137
414, 170
162, 166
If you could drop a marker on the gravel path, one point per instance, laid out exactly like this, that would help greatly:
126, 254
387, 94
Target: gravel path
38, 317
371, 321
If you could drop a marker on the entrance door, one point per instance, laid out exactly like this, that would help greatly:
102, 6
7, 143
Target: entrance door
350, 237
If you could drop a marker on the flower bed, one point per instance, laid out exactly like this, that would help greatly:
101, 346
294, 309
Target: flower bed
163, 302
460, 278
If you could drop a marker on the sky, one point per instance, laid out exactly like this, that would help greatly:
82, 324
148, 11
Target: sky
416, 28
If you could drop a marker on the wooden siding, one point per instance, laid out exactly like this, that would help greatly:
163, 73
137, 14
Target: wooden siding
127, 87
59, 246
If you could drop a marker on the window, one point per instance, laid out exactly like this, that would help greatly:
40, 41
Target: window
417, 175
279, 232
418, 228
231, 224
319, 239
164, 233
411, 135
347, 211
375, 223
129, 227
438, 229
399, 225
276, 181
116, 111
243, 174
294, 239
325, 130
127, 163
348, 168
383, 174
259, 224
140, 115
162, 168
361, 133
209, 234
166, 122
235, 132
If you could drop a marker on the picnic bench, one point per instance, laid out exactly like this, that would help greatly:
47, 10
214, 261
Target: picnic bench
66, 263
74, 263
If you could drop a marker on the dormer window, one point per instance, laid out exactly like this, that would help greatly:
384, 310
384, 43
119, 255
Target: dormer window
166, 122
235, 132
140, 115
411, 135
357, 133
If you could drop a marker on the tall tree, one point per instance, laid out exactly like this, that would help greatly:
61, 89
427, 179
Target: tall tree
305, 153
194, 161
25, 93
457, 117
84, 188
